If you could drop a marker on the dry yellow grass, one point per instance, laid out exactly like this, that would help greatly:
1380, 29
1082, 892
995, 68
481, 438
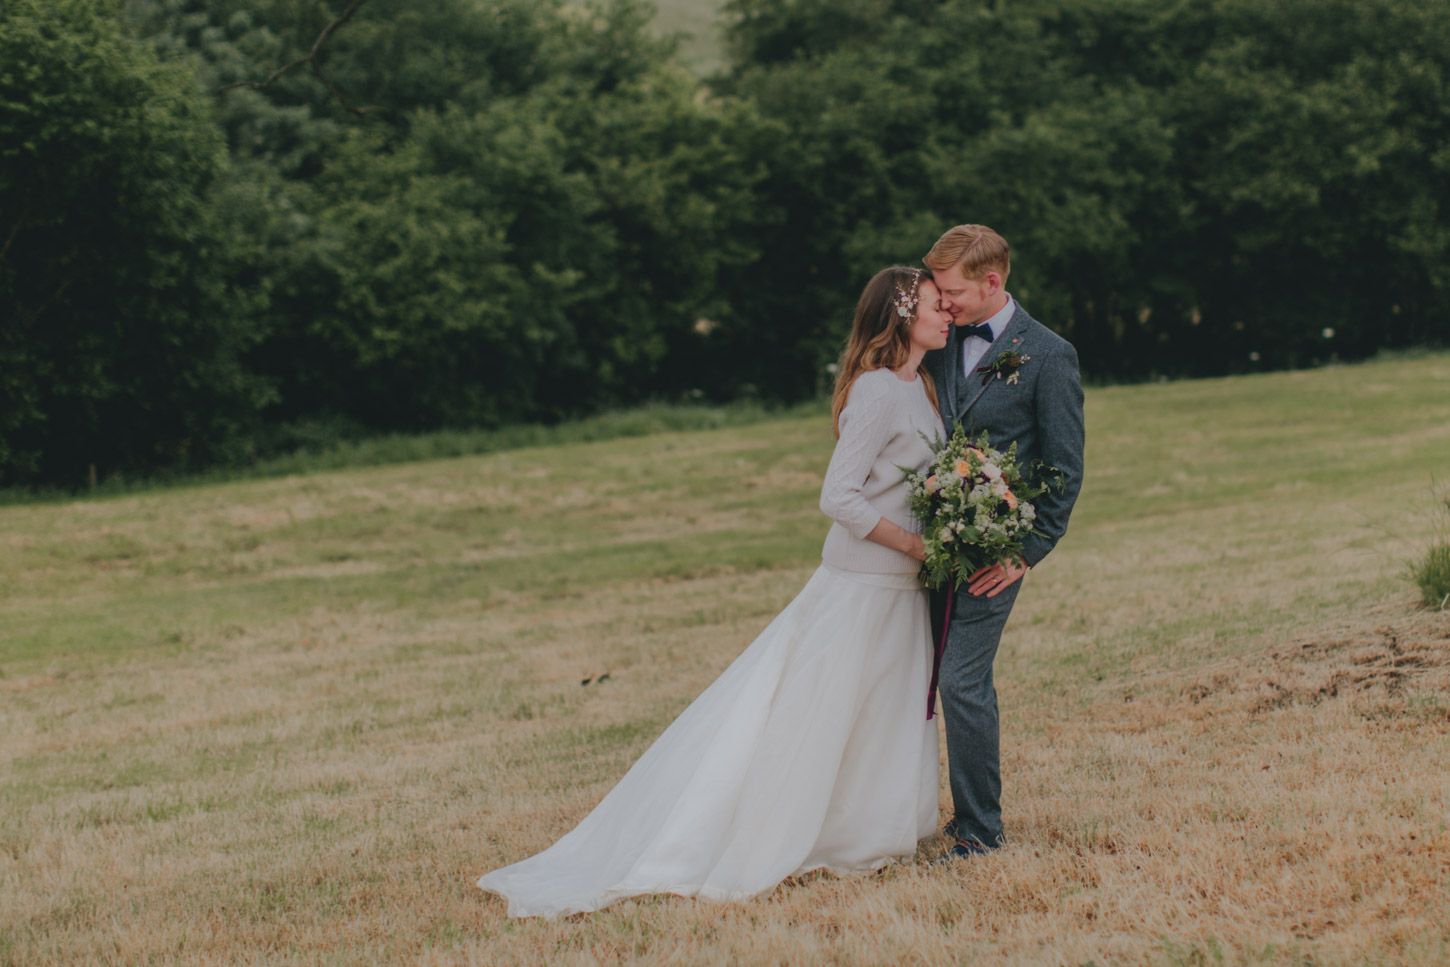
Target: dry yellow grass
289, 722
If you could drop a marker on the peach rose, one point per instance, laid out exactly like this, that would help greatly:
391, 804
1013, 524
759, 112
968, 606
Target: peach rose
964, 466
1011, 499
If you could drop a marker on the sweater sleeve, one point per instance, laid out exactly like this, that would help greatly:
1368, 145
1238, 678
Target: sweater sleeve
866, 427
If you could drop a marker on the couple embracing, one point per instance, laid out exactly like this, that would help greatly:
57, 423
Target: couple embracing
811, 751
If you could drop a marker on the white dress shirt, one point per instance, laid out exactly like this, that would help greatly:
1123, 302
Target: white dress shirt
975, 347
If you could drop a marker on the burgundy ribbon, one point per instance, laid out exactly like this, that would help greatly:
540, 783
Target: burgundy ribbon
941, 647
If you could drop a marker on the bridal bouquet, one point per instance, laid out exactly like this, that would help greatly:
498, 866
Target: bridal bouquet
975, 506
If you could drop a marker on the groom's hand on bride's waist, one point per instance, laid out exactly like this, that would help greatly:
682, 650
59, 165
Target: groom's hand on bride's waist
994, 579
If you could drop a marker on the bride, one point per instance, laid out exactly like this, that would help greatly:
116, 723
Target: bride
812, 750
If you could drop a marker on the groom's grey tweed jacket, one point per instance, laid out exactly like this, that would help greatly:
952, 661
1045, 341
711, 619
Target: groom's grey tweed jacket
1041, 412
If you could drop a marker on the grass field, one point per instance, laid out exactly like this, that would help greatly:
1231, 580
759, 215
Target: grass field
290, 721
697, 23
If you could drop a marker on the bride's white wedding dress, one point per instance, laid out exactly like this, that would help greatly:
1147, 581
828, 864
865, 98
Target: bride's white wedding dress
813, 749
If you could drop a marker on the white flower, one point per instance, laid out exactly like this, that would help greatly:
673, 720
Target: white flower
945, 535
992, 472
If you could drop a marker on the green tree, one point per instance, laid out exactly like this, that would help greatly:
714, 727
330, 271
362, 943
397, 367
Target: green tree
122, 323
534, 229
1313, 141
1188, 186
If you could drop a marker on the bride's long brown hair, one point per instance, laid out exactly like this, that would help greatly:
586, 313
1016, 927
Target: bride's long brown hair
878, 336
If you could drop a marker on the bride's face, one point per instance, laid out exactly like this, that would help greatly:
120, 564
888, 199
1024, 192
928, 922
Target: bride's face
932, 324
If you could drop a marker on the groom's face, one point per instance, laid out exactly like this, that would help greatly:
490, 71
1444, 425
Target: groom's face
969, 301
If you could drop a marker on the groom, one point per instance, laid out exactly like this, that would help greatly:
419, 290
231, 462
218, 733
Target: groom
1007, 374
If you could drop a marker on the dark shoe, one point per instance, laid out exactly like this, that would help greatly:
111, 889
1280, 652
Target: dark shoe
952, 831
964, 849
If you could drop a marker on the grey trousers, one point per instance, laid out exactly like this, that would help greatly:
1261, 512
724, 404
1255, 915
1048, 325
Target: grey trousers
969, 709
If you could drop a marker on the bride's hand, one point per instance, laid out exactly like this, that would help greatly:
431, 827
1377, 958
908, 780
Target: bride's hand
898, 538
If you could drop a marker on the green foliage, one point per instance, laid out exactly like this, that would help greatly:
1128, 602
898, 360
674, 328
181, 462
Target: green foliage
1432, 575
397, 307
1310, 141
1431, 572
1189, 188
974, 505
123, 328
542, 214
530, 230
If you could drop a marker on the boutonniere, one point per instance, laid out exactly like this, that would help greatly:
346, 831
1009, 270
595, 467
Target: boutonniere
1005, 366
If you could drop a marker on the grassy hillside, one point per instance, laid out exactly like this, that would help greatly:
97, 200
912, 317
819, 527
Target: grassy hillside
290, 721
697, 21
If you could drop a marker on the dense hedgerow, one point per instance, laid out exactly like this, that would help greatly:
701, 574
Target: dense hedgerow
543, 215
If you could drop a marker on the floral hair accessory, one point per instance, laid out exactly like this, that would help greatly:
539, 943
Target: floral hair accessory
905, 300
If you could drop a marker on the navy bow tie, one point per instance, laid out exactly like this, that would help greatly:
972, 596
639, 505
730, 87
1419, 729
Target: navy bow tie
982, 331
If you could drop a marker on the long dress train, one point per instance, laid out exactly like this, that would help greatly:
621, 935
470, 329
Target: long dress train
812, 750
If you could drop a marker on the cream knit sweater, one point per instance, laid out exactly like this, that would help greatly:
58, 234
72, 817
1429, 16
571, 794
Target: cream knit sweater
881, 432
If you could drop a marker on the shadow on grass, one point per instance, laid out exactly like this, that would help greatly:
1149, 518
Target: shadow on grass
325, 451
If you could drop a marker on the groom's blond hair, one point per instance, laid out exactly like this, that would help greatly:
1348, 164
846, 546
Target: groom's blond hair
976, 248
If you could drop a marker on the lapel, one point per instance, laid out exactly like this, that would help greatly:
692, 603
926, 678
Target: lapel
951, 379
1011, 338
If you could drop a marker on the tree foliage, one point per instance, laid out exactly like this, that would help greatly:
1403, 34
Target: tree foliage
547, 215
1190, 188
123, 328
